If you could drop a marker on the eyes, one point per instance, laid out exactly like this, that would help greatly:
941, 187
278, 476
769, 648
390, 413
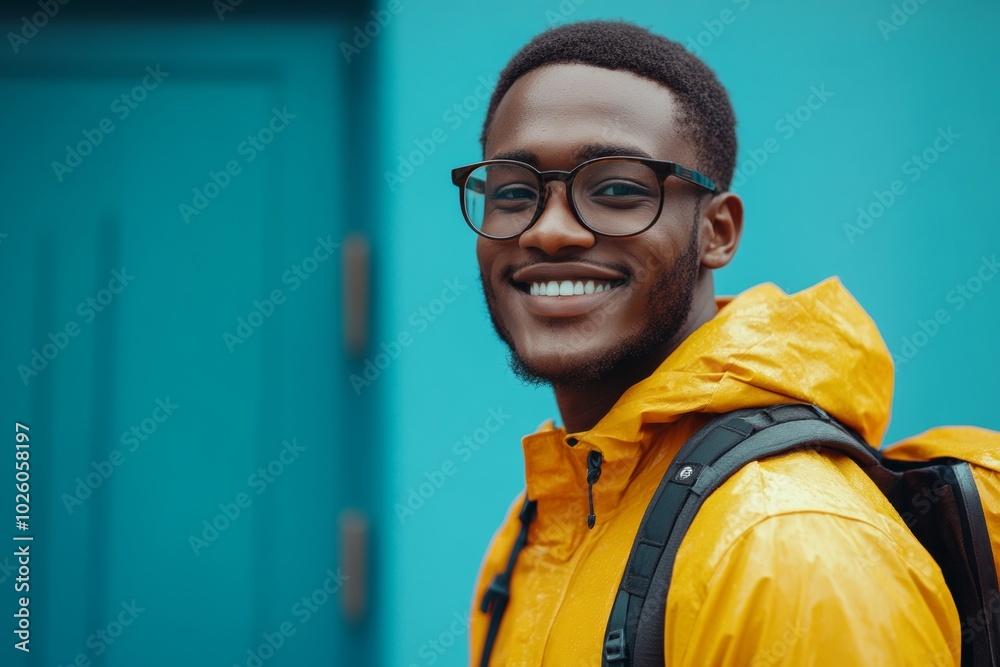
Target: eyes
511, 193
612, 196
620, 189
607, 192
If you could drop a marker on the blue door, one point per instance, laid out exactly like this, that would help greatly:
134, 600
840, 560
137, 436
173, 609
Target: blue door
176, 209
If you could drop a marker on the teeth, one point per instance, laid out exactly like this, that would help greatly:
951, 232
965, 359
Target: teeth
570, 287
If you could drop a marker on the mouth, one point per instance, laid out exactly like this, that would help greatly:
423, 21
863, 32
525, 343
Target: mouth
566, 289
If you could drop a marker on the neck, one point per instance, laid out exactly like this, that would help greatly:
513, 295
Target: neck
582, 407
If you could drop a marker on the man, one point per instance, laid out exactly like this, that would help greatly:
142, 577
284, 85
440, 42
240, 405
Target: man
600, 282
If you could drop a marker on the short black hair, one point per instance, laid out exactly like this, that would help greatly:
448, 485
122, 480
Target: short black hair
617, 45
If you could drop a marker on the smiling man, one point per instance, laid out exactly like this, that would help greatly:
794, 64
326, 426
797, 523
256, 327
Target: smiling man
602, 209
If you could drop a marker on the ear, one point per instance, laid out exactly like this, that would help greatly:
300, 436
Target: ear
720, 229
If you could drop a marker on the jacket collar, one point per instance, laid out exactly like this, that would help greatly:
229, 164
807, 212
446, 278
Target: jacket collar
762, 347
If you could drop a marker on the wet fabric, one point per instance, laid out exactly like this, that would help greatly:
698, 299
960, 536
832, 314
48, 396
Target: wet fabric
795, 560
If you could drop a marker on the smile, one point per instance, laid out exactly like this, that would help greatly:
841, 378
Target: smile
566, 289
567, 298
556, 288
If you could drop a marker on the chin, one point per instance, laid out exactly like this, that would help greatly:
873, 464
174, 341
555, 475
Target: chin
561, 363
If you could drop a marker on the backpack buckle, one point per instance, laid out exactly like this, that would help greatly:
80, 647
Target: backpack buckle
614, 646
498, 589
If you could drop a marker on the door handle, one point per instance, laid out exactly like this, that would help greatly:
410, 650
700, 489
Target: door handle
355, 260
354, 528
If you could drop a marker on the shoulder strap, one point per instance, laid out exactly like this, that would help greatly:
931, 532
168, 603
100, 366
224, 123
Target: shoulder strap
704, 462
940, 503
495, 599
982, 565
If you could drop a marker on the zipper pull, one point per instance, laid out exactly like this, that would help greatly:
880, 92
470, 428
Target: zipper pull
594, 459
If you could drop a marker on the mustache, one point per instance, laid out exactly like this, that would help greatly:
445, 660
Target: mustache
509, 271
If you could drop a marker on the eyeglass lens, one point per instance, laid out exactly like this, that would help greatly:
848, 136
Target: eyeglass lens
611, 196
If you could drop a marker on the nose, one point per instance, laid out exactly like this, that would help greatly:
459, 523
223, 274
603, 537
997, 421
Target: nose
557, 227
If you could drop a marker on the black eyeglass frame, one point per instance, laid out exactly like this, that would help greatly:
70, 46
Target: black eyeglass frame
662, 168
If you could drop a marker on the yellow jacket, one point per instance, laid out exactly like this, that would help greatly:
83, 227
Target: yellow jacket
795, 560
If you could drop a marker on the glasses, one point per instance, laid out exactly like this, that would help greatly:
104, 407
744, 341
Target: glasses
610, 196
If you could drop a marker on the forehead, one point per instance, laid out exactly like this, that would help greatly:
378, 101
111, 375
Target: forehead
556, 111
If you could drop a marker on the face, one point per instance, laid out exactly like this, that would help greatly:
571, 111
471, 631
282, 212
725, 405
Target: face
556, 117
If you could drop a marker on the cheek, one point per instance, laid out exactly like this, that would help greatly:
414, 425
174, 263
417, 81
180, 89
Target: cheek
492, 257
643, 263
485, 261
659, 256
488, 278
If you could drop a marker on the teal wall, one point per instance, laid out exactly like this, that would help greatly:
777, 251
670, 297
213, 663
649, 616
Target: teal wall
892, 92
194, 436
371, 149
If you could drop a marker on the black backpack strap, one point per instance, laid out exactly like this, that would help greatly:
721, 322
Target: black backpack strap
940, 504
705, 462
979, 552
495, 599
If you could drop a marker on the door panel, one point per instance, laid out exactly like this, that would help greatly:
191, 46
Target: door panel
189, 430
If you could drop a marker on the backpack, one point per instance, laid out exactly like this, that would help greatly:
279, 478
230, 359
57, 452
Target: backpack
951, 525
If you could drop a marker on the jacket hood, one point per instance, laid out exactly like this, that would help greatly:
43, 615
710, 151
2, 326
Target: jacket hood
765, 347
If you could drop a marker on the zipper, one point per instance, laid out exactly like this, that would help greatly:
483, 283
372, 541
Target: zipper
594, 459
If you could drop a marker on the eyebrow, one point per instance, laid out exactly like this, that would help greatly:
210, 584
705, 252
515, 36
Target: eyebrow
582, 154
593, 151
518, 155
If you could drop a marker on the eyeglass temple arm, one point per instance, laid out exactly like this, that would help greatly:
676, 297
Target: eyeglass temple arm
693, 177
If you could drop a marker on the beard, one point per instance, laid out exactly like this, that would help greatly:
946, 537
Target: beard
668, 306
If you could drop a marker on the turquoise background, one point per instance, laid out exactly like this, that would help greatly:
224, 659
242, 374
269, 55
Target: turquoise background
890, 96
400, 439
